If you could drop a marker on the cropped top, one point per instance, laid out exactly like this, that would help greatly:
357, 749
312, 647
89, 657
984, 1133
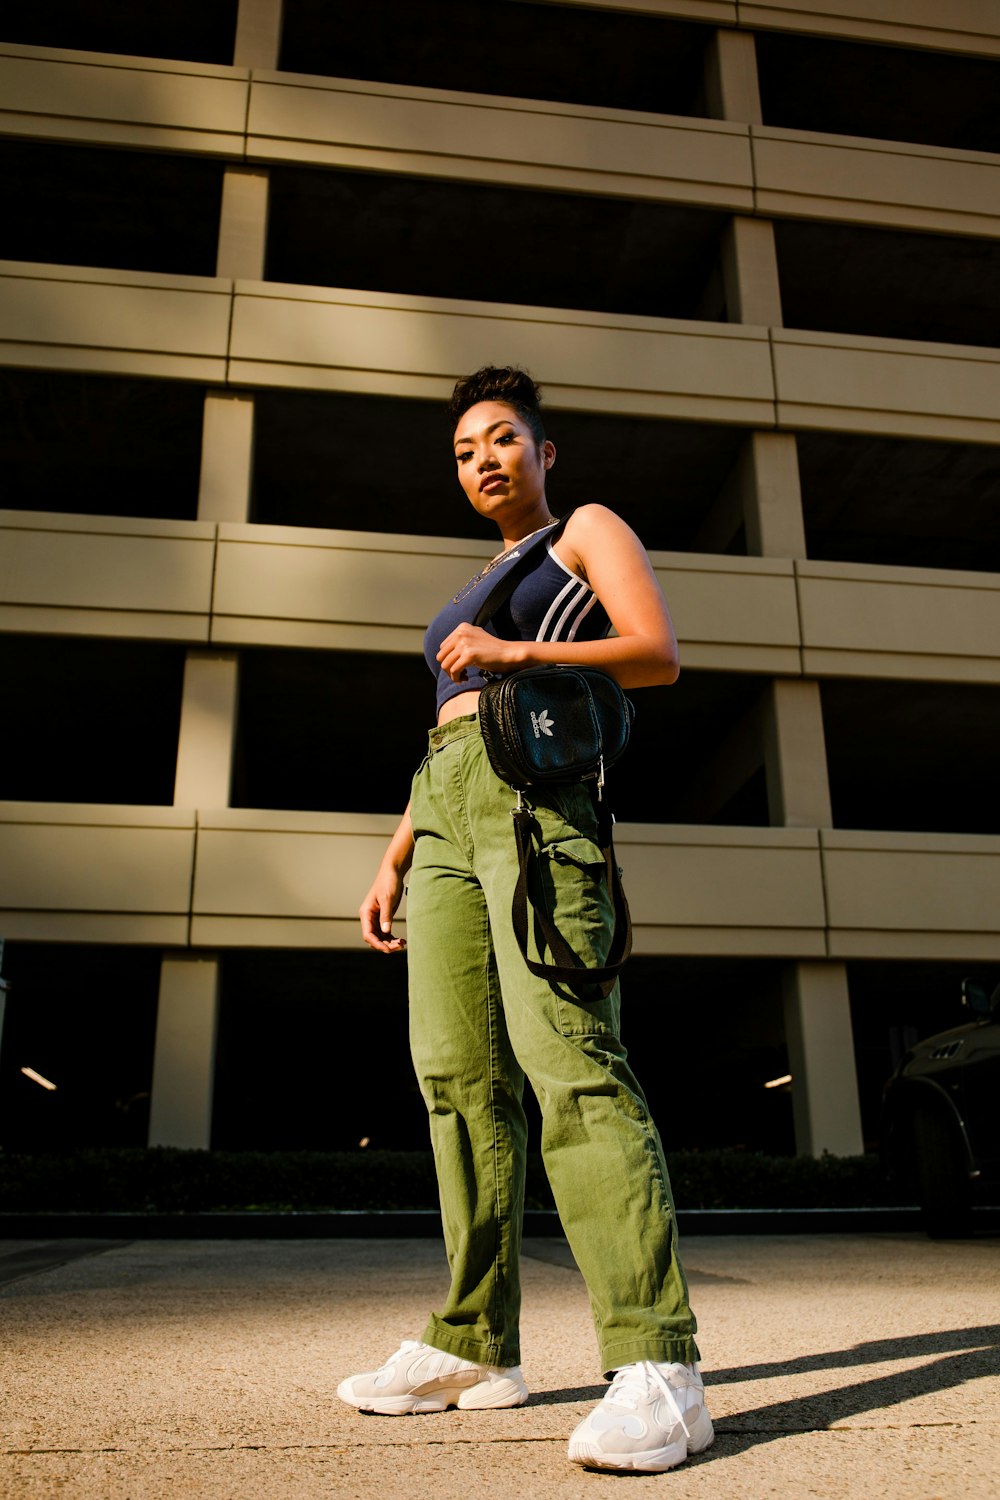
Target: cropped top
549, 603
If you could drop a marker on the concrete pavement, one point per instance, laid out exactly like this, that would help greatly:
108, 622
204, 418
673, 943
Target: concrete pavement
835, 1365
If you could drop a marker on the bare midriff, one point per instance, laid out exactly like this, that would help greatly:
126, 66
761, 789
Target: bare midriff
454, 708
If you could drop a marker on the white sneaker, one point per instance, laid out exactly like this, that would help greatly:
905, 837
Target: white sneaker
651, 1418
419, 1378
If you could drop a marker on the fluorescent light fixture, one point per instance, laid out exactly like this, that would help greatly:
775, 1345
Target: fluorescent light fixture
37, 1078
775, 1083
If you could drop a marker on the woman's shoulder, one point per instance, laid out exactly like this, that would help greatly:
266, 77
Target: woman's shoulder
593, 525
592, 532
592, 519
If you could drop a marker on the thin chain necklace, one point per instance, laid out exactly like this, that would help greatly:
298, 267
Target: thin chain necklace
495, 562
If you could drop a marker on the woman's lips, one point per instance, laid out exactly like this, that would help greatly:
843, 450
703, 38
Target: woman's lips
491, 482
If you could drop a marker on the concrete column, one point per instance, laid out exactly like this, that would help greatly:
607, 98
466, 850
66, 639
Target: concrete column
759, 508
226, 458
184, 1055
731, 88
208, 729
243, 223
258, 34
184, 1058
798, 789
825, 1102
763, 497
750, 272
772, 496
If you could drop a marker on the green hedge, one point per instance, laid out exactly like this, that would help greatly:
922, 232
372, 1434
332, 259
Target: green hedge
166, 1180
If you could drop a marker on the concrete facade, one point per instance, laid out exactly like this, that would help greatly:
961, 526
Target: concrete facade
202, 876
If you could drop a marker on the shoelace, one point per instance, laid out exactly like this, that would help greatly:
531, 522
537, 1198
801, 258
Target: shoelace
633, 1381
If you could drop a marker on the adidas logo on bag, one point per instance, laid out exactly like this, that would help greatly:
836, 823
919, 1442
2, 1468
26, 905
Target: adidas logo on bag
541, 723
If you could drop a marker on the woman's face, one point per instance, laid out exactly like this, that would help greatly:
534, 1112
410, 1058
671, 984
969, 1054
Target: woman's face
500, 466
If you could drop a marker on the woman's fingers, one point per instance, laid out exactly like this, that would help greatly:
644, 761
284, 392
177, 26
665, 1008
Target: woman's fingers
376, 913
470, 646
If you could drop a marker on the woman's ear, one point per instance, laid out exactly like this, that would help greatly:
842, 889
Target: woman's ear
548, 454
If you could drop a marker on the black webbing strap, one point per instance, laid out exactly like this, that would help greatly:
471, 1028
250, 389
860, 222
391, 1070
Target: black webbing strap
509, 580
569, 969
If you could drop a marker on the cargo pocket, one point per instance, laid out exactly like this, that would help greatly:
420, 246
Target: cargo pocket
581, 852
572, 889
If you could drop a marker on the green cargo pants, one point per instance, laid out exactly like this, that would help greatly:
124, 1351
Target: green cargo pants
480, 1022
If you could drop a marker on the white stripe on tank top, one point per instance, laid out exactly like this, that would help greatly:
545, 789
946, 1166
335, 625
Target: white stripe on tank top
571, 595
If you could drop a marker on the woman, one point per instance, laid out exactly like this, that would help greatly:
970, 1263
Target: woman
480, 1022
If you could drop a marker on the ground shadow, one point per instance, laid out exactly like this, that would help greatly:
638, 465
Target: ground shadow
567, 1395
966, 1354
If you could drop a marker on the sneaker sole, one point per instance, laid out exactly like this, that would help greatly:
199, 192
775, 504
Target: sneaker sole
487, 1395
653, 1461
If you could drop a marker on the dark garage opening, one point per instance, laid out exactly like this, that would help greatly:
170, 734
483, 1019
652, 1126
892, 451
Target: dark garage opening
852, 88
297, 744
85, 1019
90, 721
313, 1053
192, 30
100, 444
560, 53
303, 716
900, 501
367, 463
130, 210
491, 244
887, 283
912, 757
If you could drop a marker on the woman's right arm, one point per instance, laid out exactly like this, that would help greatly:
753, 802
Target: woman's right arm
379, 906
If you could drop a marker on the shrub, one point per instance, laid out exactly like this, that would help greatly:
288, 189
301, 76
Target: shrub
168, 1180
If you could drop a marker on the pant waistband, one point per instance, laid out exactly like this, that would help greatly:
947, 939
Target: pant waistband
455, 729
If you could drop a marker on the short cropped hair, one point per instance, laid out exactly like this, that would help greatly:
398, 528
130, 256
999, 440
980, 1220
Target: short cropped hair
506, 383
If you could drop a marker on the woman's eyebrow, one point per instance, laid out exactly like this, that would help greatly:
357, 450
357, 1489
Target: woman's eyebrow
463, 442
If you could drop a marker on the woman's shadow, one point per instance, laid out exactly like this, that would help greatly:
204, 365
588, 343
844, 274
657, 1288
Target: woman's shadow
953, 1357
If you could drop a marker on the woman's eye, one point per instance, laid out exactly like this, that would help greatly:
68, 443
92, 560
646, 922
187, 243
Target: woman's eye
461, 457
505, 437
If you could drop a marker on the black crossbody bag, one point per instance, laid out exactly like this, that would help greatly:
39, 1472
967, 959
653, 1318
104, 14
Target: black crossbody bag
556, 725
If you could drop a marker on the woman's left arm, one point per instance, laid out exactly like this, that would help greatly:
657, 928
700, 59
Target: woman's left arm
602, 548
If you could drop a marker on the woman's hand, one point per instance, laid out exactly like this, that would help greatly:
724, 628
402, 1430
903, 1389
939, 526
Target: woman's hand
469, 646
378, 909
379, 906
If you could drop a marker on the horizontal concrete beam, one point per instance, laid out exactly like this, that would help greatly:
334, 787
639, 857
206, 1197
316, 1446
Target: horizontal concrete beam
799, 174
283, 879
49, 94
912, 895
116, 322
232, 585
894, 387
864, 621
522, 142
266, 334
96, 873
337, 340
97, 575
269, 117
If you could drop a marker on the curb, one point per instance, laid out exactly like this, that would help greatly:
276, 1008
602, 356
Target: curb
426, 1223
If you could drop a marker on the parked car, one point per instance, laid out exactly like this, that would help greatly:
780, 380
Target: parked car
941, 1118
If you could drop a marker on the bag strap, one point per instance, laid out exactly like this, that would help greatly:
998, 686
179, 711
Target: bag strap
507, 583
568, 969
